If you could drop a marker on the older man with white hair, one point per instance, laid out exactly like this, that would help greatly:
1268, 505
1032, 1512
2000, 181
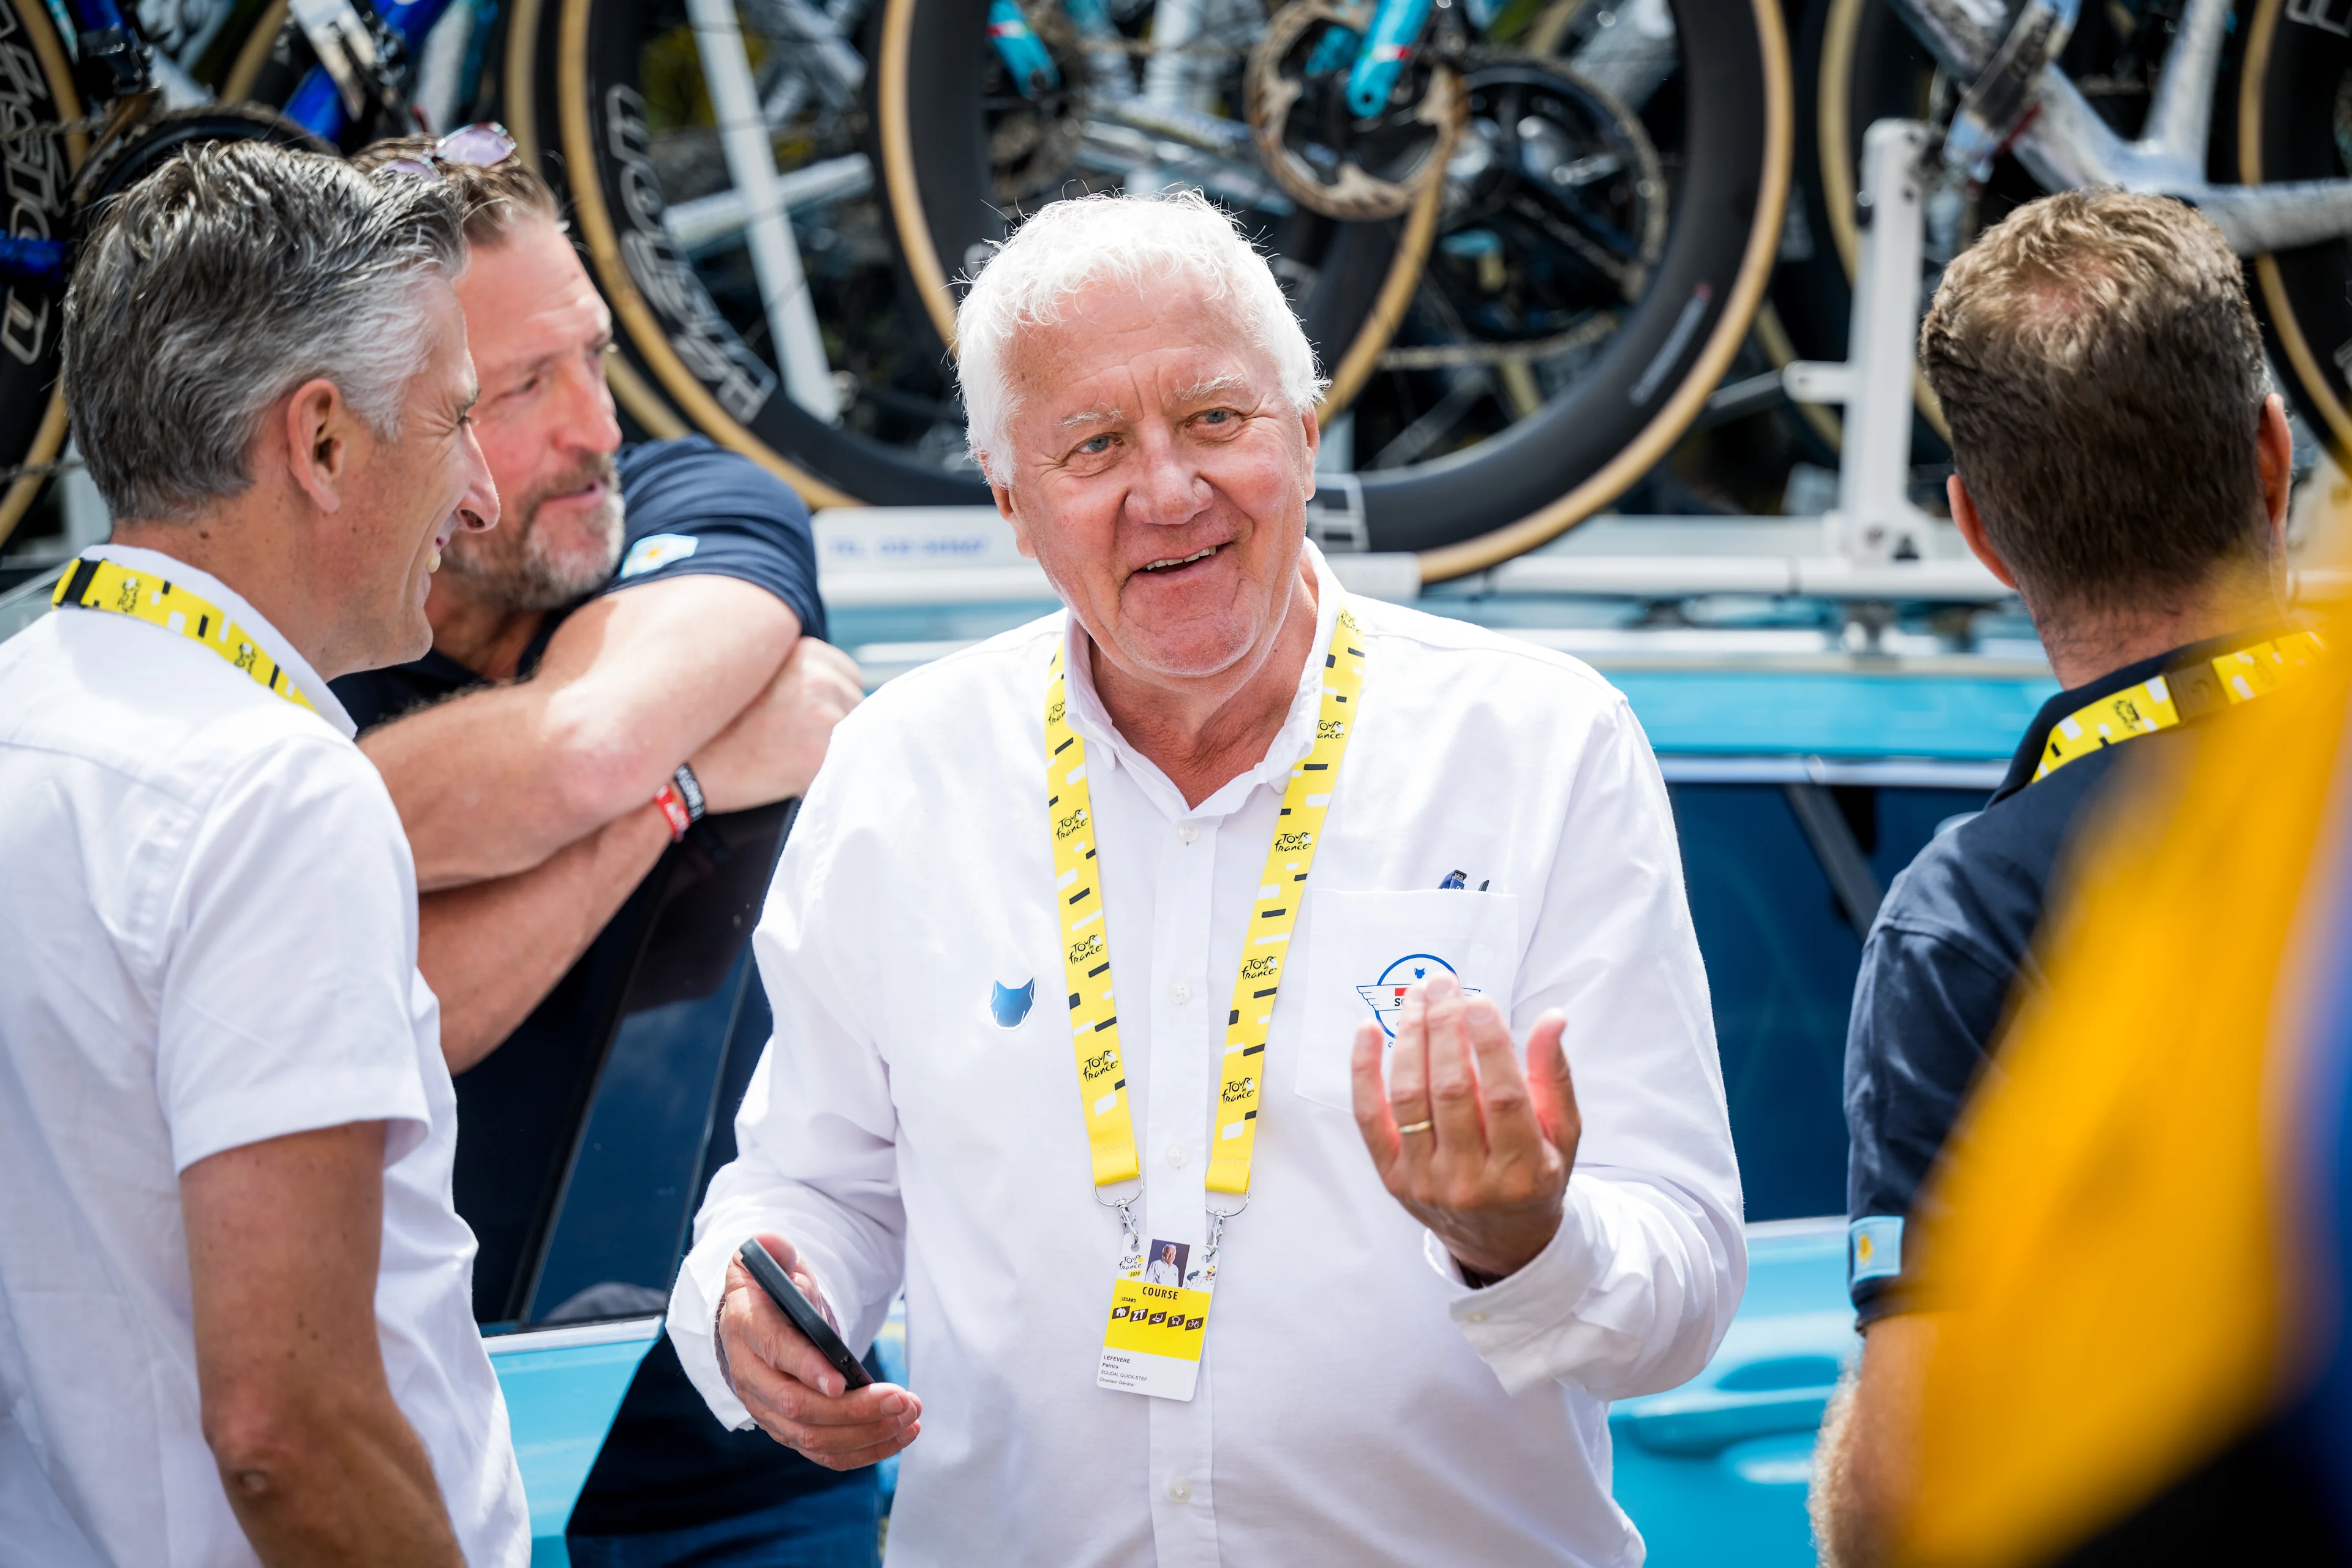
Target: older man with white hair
1338, 855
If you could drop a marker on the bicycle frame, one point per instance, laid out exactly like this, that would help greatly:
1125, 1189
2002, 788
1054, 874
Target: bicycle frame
106, 36
317, 105
1373, 58
2065, 145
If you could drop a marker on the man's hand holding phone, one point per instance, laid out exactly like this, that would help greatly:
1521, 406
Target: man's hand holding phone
797, 1394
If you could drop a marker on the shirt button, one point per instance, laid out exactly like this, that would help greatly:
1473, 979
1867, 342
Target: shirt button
1187, 832
1180, 993
1179, 1492
1178, 1156
1475, 1316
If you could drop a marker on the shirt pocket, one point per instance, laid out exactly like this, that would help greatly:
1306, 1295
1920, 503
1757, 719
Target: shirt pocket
1364, 949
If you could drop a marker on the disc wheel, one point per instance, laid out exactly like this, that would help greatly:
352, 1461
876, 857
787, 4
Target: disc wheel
2293, 122
37, 92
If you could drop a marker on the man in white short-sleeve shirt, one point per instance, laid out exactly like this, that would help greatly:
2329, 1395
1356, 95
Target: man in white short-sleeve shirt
234, 1314
1440, 1262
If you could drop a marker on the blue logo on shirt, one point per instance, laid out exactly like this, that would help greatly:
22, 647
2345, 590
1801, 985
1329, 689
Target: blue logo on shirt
1386, 995
1007, 1007
655, 551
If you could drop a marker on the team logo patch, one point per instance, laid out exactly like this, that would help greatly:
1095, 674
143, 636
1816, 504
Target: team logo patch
1386, 995
1009, 1007
655, 551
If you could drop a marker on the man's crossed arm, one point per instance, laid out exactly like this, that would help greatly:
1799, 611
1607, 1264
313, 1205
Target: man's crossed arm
528, 805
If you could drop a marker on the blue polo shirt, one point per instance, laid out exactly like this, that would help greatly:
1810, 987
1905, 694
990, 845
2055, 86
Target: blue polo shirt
1953, 940
691, 510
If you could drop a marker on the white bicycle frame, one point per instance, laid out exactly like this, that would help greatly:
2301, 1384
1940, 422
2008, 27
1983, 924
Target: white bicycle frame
2067, 145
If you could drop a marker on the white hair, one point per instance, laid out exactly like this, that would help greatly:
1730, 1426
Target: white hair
1136, 243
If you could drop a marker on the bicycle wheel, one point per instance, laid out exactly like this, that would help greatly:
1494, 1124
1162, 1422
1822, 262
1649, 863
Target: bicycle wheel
1549, 354
2293, 122
615, 106
35, 91
890, 190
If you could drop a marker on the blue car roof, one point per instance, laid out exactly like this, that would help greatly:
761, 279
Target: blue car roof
1834, 713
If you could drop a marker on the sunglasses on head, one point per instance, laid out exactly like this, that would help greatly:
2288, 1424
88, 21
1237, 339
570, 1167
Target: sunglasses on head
482, 146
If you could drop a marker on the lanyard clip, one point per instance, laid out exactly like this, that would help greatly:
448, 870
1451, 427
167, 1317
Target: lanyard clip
1131, 1248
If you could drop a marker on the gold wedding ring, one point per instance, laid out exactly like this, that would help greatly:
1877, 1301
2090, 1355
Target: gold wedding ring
1416, 1127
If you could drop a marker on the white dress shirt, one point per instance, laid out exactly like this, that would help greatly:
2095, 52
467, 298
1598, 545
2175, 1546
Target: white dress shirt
1356, 1404
209, 914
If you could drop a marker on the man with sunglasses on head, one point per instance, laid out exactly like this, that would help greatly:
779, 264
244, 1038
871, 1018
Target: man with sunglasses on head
640, 642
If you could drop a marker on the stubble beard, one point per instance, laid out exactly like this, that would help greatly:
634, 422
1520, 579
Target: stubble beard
516, 566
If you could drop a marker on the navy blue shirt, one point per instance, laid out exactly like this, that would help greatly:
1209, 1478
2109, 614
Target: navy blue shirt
691, 508
1953, 939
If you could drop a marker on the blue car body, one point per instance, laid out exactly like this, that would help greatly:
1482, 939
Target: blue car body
1716, 1470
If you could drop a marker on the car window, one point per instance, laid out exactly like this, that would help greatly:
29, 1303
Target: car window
1782, 954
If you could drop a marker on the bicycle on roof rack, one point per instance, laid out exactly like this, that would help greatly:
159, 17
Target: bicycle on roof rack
1525, 236
2244, 110
92, 97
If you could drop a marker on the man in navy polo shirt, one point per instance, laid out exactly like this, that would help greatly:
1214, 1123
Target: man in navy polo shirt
2121, 462
640, 642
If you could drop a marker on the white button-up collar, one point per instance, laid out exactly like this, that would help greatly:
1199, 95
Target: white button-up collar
1356, 1403
239, 609
209, 914
1292, 741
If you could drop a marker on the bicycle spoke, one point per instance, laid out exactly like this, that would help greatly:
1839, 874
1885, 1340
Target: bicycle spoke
775, 255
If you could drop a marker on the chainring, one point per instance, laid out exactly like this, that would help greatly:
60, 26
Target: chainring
1321, 153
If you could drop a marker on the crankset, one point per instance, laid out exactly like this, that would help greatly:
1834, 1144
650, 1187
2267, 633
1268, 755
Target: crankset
1320, 150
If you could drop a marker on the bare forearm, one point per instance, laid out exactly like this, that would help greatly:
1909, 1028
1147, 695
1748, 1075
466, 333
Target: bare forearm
494, 782
316, 1458
350, 1487
492, 951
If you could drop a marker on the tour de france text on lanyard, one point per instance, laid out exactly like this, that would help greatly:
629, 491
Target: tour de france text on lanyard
1152, 1342
104, 586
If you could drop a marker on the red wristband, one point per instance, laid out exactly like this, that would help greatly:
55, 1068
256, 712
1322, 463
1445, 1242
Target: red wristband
672, 806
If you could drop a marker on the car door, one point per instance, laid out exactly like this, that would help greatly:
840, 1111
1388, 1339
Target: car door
1786, 859
648, 1064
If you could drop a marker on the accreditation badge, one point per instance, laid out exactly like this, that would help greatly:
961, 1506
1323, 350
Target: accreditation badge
1158, 1317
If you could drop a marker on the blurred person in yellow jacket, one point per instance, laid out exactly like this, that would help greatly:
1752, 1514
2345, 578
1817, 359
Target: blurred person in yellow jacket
2137, 1266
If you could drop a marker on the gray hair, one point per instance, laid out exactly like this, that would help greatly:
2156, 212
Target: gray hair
221, 282
1138, 243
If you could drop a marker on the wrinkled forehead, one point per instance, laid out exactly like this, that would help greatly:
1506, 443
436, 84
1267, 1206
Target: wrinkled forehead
1142, 348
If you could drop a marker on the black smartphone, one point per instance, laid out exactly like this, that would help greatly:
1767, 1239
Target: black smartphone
805, 1318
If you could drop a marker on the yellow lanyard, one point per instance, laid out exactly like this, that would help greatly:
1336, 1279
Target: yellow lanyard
2188, 691
1085, 945
104, 586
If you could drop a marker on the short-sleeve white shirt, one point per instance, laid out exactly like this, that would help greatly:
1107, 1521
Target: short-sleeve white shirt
209, 922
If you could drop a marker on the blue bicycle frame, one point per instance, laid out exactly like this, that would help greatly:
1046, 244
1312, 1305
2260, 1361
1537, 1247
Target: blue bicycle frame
101, 28
1372, 59
317, 107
